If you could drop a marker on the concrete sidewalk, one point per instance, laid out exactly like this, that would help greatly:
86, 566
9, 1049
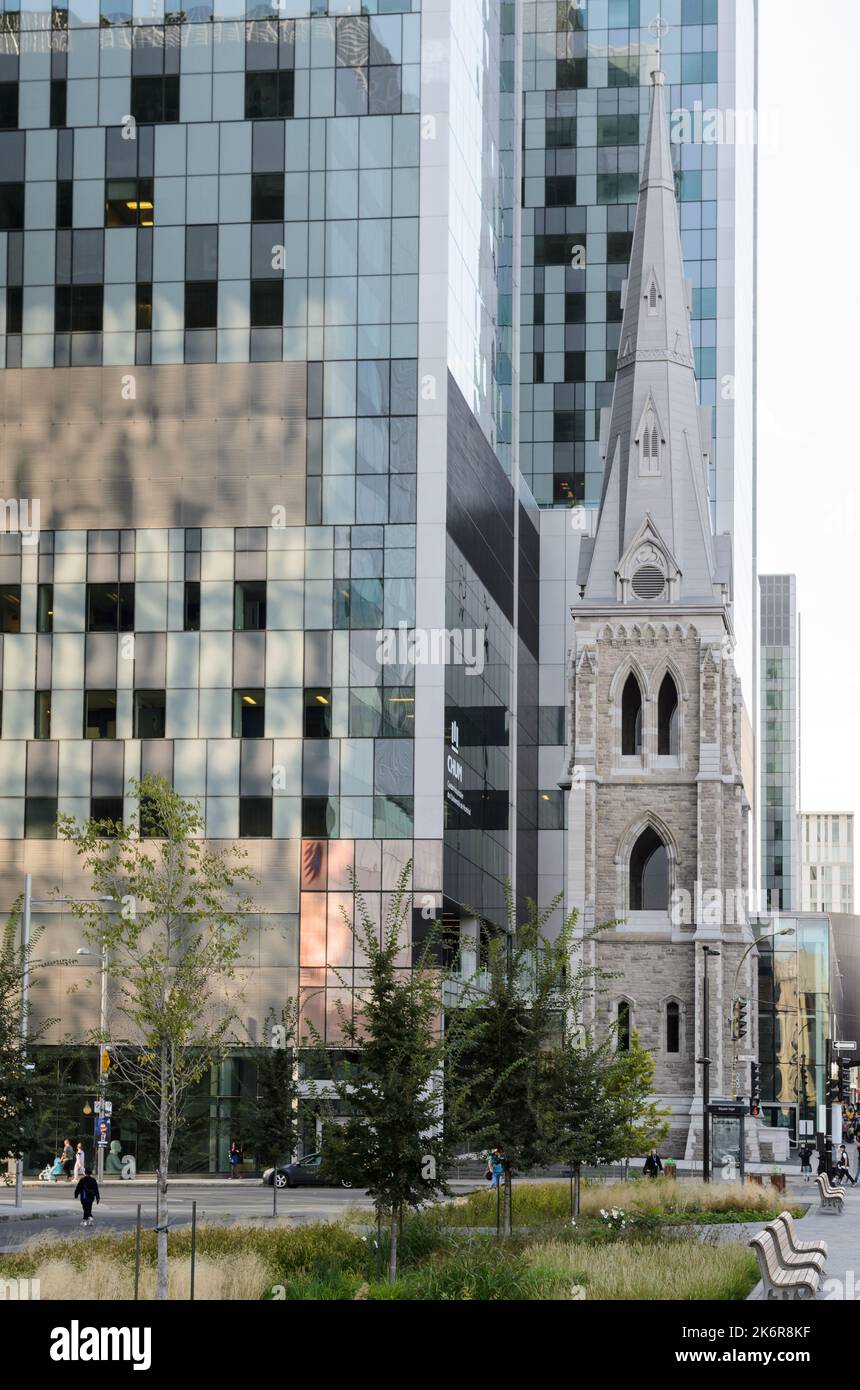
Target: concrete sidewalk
841, 1233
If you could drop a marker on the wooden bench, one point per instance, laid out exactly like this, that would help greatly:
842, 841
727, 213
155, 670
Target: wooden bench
799, 1282
800, 1247
792, 1259
832, 1200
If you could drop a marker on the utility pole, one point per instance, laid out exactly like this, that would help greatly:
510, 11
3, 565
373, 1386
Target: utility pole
705, 1063
100, 1151
26, 930
26, 915
828, 1108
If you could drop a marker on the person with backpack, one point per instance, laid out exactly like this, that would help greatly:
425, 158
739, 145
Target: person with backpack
495, 1168
87, 1191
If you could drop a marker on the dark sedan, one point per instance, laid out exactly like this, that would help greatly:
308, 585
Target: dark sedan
308, 1172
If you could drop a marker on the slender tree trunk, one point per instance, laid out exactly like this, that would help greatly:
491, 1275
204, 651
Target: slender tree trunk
161, 1289
577, 1189
506, 1214
392, 1248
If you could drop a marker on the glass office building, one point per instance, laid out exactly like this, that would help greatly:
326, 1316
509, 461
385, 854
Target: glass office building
261, 421
827, 863
798, 1007
779, 747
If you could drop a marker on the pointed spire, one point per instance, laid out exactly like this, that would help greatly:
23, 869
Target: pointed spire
657, 171
655, 441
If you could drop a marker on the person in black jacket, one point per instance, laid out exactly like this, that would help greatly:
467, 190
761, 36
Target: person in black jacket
653, 1165
805, 1155
88, 1192
843, 1168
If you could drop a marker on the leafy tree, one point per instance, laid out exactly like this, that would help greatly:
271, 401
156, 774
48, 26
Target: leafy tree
171, 940
22, 1080
509, 1015
630, 1086
275, 1114
392, 1141
582, 1119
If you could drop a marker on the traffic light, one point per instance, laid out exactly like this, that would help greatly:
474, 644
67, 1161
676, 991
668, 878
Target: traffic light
844, 1081
833, 1087
755, 1089
740, 1011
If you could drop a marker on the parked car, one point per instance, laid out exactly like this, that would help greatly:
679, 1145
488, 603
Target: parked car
306, 1173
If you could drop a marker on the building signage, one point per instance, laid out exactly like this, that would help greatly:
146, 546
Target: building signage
454, 772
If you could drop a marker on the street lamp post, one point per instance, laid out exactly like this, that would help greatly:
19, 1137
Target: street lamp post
26, 929
705, 1062
100, 1147
770, 936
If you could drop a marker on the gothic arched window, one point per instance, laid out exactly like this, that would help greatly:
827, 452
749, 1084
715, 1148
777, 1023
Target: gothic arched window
631, 719
668, 743
649, 447
624, 1026
673, 1026
649, 874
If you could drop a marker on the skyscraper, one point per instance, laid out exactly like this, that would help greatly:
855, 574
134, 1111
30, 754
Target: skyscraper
261, 268
827, 863
780, 742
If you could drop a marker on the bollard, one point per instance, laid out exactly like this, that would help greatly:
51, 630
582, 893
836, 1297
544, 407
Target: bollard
275, 1194
137, 1255
193, 1245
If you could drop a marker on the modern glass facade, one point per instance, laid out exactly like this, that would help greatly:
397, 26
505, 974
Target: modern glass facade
260, 322
780, 742
797, 1007
827, 863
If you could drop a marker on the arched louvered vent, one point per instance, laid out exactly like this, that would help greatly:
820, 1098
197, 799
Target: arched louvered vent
649, 582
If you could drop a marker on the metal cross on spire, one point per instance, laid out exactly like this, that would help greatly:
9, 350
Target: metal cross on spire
659, 27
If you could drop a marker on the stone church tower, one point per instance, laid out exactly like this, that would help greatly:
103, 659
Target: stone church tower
658, 816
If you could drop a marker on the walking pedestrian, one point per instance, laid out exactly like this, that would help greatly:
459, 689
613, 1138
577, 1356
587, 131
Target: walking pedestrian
495, 1167
80, 1162
87, 1191
235, 1158
805, 1154
653, 1165
843, 1167
68, 1159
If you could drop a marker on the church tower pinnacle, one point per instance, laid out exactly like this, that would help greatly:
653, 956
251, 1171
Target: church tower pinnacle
654, 540
658, 840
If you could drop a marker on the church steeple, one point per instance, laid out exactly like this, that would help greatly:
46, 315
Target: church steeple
655, 440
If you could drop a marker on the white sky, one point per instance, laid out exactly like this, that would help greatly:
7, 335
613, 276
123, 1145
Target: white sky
809, 384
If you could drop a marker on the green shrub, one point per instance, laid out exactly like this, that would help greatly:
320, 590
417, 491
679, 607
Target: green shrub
674, 1270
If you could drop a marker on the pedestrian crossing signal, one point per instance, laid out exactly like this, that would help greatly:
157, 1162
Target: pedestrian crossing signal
105, 1060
